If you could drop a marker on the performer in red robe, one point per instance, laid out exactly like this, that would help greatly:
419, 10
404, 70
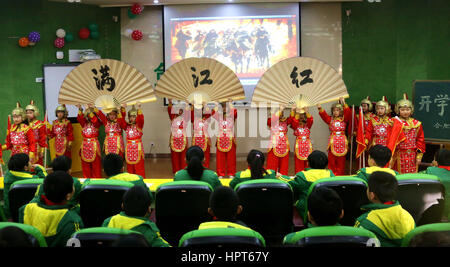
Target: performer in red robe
62, 131
278, 154
301, 123
90, 151
134, 150
337, 142
39, 130
113, 139
366, 106
179, 119
201, 138
226, 142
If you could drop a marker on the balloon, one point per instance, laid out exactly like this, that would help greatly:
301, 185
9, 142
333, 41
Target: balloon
137, 35
69, 38
59, 42
23, 42
136, 9
94, 35
34, 37
84, 33
60, 33
130, 14
128, 32
93, 27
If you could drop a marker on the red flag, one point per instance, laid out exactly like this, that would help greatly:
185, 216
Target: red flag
397, 135
360, 137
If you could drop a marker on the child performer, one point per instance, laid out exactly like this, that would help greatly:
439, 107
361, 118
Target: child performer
90, 151
62, 131
380, 125
278, 154
19, 136
226, 142
200, 122
337, 142
301, 124
39, 130
134, 150
366, 106
113, 140
408, 150
178, 138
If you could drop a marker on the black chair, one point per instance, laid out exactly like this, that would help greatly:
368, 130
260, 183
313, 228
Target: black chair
103, 237
35, 236
430, 235
352, 191
20, 193
181, 207
267, 208
222, 237
423, 196
100, 199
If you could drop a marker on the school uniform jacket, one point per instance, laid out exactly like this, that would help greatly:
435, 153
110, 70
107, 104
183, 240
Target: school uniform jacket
246, 175
208, 176
364, 173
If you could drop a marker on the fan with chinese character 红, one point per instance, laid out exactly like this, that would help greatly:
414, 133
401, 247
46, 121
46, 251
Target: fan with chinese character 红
107, 83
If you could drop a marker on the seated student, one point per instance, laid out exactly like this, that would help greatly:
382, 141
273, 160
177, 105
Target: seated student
12, 236
51, 215
19, 168
136, 204
255, 170
379, 157
385, 217
317, 162
325, 208
195, 170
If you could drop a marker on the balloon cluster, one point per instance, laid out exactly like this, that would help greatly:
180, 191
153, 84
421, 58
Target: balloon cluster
90, 32
135, 10
31, 40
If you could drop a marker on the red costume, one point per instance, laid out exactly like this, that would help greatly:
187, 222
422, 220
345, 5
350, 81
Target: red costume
368, 116
226, 143
90, 151
278, 154
201, 137
134, 150
178, 139
62, 131
40, 136
20, 139
113, 139
303, 146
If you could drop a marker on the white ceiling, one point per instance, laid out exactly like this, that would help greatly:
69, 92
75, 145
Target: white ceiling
118, 3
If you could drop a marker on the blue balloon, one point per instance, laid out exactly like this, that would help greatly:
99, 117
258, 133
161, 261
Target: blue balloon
34, 37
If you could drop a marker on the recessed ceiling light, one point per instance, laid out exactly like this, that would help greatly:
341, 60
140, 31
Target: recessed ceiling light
155, 1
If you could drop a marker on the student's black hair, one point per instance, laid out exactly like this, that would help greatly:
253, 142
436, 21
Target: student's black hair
443, 157
61, 163
224, 203
317, 160
131, 240
383, 185
112, 164
57, 185
136, 201
380, 154
325, 206
12, 236
255, 160
194, 158
18, 161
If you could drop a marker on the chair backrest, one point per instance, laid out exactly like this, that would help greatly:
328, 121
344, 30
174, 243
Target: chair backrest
20, 193
429, 235
35, 236
333, 236
100, 237
222, 237
422, 195
181, 207
100, 199
267, 208
352, 191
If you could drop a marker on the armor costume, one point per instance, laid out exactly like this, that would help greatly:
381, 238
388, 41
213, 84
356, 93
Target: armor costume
278, 154
303, 146
40, 133
226, 143
90, 151
62, 131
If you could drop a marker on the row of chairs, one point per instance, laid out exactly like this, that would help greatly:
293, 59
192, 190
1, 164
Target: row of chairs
268, 203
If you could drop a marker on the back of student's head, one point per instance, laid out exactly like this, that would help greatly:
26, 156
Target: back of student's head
194, 158
112, 164
443, 157
18, 161
136, 201
380, 154
57, 185
325, 206
61, 163
12, 236
255, 160
317, 160
383, 185
224, 203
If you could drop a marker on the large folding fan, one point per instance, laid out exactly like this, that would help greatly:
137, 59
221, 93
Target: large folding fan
107, 83
300, 82
198, 80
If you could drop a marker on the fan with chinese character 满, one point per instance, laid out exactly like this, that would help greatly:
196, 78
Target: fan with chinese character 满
198, 81
299, 82
107, 83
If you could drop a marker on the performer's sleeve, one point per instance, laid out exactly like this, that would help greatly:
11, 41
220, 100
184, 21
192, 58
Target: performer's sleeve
369, 132
121, 121
50, 133
43, 136
101, 116
309, 120
169, 110
294, 123
420, 142
235, 113
81, 119
325, 117
31, 141
70, 137
140, 119
347, 114
97, 123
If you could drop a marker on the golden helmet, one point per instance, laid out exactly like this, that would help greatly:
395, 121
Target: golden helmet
384, 103
132, 112
404, 103
368, 102
19, 111
61, 108
337, 105
32, 107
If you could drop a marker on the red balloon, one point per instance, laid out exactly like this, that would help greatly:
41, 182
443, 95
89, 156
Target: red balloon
23, 42
84, 33
59, 42
136, 9
137, 35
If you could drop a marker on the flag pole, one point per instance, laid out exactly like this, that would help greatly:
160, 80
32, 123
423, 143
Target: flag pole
45, 149
351, 139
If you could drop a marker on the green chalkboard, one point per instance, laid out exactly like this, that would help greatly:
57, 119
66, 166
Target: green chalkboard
432, 107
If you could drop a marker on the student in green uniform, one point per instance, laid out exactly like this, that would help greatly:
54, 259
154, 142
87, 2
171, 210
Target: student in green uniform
255, 170
51, 215
195, 170
385, 217
379, 157
318, 162
19, 168
135, 216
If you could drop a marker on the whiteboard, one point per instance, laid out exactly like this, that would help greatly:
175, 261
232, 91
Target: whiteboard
54, 76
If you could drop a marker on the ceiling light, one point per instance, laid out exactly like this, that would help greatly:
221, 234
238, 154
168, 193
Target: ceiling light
155, 1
